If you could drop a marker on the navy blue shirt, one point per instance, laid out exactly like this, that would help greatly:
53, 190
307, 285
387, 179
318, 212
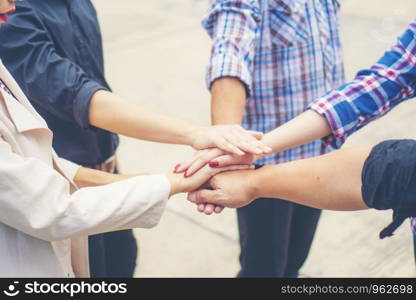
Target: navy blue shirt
53, 48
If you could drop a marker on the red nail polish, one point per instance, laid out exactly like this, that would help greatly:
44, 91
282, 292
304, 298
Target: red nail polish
214, 164
186, 173
176, 168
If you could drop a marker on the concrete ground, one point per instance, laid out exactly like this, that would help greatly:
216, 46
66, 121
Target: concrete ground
156, 52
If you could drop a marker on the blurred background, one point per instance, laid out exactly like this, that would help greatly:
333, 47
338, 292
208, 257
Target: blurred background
156, 53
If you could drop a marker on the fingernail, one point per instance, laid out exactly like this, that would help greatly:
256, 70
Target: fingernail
176, 168
214, 164
186, 173
192, 198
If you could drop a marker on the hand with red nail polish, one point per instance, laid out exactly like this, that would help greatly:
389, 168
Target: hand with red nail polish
175, 170
199, 160
213, 164
181, 184
215, 158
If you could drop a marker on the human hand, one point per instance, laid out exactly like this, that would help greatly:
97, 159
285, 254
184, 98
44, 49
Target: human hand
215, 158
199, 160
229, 138
181, 184
230, 189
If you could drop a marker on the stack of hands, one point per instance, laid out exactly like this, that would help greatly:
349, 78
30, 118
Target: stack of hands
207, 178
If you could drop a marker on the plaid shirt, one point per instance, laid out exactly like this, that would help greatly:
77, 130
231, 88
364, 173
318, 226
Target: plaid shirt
286, 52
373, 92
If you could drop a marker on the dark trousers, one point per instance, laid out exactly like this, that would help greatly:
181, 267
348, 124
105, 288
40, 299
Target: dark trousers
275, 237
113, 254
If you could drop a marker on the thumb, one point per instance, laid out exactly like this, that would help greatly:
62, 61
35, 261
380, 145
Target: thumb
204, 196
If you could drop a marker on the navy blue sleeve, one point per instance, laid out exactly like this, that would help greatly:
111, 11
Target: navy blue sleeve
49, 80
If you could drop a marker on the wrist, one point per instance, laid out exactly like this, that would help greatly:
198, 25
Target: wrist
176, 183
269, 141
190, 134
253, 184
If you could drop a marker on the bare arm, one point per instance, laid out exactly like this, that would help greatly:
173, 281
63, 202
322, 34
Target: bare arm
305, 128
90, 177
113, 113
331, 181
228, 98
86, 177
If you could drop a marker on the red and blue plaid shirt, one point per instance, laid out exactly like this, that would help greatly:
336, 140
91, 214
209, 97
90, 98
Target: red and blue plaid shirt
286, 52
373, 93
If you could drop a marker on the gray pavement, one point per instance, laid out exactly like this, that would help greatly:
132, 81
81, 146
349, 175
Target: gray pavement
156, 53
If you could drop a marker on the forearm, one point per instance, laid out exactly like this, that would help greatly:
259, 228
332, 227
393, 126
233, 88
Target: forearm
113, 113
331, 181
86, 177
305, 128
228, 98
90, 177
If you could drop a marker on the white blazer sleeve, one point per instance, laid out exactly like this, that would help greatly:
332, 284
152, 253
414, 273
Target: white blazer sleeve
35, 199
70, 168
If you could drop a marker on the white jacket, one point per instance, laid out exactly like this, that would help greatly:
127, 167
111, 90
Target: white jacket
44, 218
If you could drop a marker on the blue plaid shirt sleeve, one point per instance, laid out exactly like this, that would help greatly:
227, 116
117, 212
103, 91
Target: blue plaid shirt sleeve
232, 25
373, 92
